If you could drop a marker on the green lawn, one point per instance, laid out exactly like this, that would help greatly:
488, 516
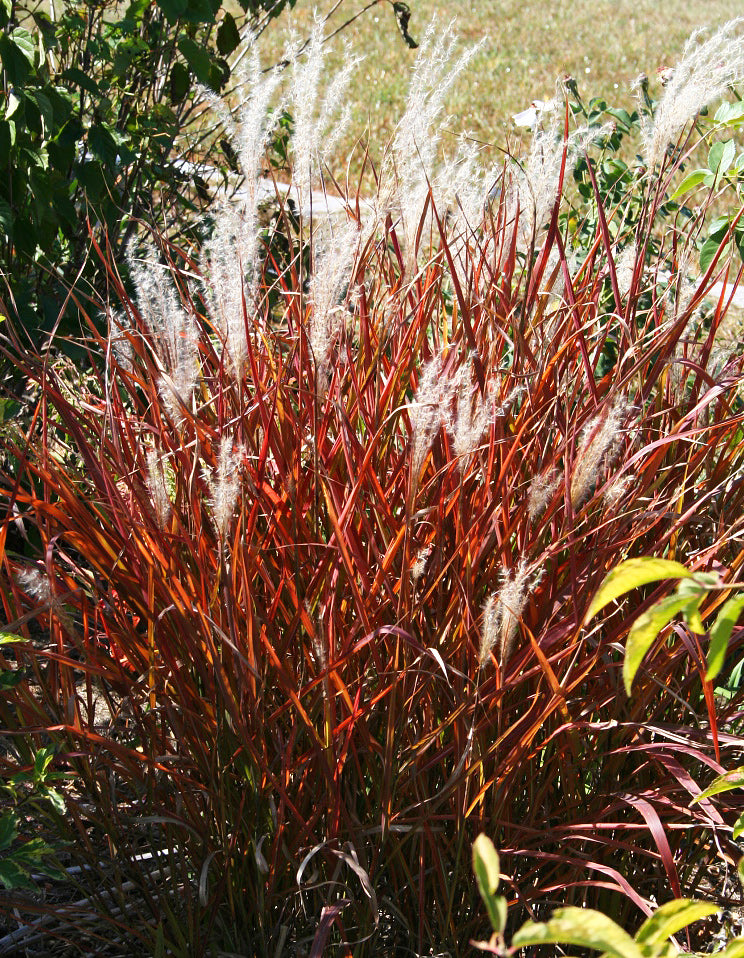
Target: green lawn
604, 44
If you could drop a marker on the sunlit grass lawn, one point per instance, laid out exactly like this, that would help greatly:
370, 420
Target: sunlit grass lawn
604, 44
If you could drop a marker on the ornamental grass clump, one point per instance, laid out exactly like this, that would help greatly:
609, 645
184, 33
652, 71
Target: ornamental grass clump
314, 615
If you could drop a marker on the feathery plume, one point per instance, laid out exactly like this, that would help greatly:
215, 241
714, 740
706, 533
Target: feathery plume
230, 258
119, 341
428, 410
515, 590
407, 169
471, 420
537, 182
489, 629
705, 72
157, 486
175, 335
315, 132
625, 269
224, 485
331, 275
599, 444
503, 611
541, 491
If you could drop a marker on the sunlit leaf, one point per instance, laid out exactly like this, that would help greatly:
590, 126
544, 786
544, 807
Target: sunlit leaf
486, 868
644, 631
691, 181
724, 783
720, 634
579, 926
630, 575
670, 918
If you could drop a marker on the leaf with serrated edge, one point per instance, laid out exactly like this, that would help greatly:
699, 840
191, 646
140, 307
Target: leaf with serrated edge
630, 575
670, 918
579, 926
720, 634
644, 631
724, 783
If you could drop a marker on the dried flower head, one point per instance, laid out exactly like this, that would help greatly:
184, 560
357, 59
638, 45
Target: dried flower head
503, 610
541, 491
600, 443
489, 629
224, 485
625, 265
35, 583
418, 565
328, 287
471, 419
429, 410
536, 183
157, 486
705, 72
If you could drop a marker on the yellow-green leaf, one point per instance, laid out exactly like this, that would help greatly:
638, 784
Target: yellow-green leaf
738, 827
486, 867
579, 926
734, 949
724, 783
720, 634
630, 575
670, 918
644, 631
693, 179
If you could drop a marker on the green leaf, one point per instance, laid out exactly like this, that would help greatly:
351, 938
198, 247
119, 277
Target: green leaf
56, 800
197, 58
730, 114
689, 183
24, 43
6, 638
644, 631
8, 830
734, 949
13, 876
228, 36
630, 575
9, 680
720, 634
179, 82
738, 827
82, 80
724, 783
708, 252
42, 760
720, 157
579, 926
173, 9
11, 105
486, 868
670, 918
